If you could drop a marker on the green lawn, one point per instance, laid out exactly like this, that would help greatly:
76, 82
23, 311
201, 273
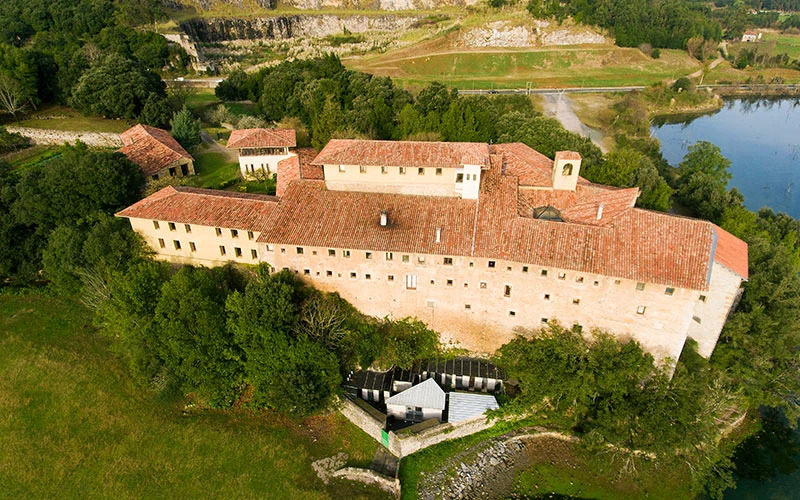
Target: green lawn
789, 44
73, 426
585, 66
34, 156
64, 118
214, 170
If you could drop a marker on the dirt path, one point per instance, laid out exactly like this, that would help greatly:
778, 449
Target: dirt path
714, 64
558, 106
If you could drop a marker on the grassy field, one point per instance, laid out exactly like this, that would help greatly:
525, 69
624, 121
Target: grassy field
789, 44
64, 118
34, 156
72, 426
557, 67
214, 170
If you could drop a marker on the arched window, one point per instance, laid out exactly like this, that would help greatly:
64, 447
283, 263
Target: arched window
567, 170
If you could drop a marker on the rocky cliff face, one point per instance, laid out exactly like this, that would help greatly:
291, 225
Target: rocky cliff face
286, 27
327, 4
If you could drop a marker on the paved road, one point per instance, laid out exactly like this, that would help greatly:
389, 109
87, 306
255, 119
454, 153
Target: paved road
588, 90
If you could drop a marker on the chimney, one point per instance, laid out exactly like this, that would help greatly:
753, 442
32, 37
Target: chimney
438, 235
600, 211
384, 218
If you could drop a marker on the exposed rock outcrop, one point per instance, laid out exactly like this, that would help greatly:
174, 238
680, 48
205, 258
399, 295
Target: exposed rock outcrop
532, 34
286, 27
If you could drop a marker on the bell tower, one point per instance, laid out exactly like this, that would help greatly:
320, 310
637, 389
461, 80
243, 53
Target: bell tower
566, 167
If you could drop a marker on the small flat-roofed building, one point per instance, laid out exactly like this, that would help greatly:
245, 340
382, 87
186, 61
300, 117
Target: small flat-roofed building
466, 405
156, 152
423, 401
262, 149
472, 374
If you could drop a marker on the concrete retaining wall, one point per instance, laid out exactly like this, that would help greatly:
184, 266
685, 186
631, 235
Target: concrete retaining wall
58, 137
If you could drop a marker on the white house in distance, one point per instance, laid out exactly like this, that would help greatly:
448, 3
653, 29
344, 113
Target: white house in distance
751, 36
261, 149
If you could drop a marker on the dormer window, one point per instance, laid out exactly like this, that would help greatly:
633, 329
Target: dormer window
567, 169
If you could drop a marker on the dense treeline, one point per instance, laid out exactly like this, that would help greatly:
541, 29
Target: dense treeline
661, 23
85, 53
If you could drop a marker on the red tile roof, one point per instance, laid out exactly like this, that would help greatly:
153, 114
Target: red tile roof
626, 243
731, 252
207, 207
151, 148
403, 153
307, 170
262, 138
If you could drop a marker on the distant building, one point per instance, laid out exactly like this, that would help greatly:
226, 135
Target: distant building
751, 36
156, 152
261, 150
476, 240
423, 401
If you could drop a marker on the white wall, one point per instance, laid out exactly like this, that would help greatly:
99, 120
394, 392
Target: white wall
267, 163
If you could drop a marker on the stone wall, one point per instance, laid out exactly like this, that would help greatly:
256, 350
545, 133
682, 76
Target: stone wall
58, 137
370, 477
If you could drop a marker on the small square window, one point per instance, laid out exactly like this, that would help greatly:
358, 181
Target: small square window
177, 244
459, 178
508, 268
483, 284
155, 224
544, 321
402, 170
192, 246
433, 282
221, 250
507, 291
171, 226
438, 171
353, 275
368, 255
471, 264
389, 256
187, 228
579, 279
640, 286
466, 285
669, 291
547, 296
342, 168
331, 252
299, 250
448, 261
161, 242
283, 250
384, 170
576, 301
234, 233
346, 254
421, 171
617, 282
491, 263
640, 309
270, 248
421, 259
250, 235
467, 307
596, 283
562, 276
524, 269
237, 251
406, 258
697, 319
218, 230
512, 313
362, 169
329, 273
307, 272
253, 253
390, 277
544, 272
367, 276
702, 298
449, 282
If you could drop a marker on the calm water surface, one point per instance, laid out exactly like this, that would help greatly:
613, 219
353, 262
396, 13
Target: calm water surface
762, 140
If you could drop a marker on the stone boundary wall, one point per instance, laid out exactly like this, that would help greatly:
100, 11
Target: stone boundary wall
58, 137
404, 444
370, 477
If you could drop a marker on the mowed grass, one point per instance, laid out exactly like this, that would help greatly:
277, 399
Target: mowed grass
64, 118
73, 426
214, 170
564, 67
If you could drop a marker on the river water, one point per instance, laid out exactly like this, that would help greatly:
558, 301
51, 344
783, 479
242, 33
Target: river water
761, 137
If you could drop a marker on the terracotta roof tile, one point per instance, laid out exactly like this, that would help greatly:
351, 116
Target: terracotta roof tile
208, 207
403, 153
262, 138
307, 170
731, 252
151, 148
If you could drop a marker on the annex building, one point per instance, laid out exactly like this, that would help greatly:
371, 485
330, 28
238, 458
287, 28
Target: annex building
475, 240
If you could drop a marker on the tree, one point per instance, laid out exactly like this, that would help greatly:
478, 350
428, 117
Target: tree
330, 120
12, 98
186, 128
703, 180
18, 79
233, 87
406, 341
116, 88
156, 112
626, 167
193, 340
